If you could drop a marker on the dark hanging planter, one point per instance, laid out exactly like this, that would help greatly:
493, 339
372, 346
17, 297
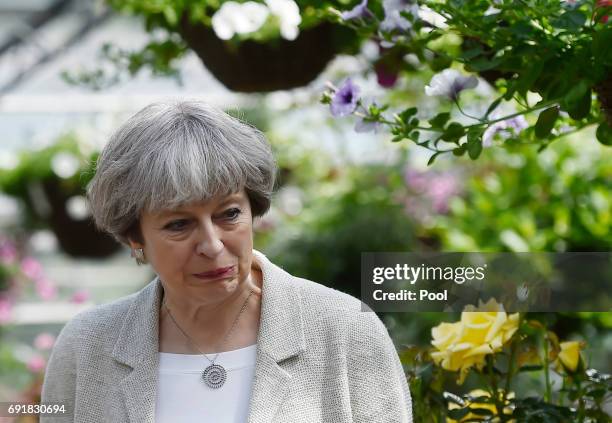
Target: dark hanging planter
78, 238
604, 94
275, 65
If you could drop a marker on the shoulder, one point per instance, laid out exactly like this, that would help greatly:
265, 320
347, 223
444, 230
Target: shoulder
341, 311
100, 319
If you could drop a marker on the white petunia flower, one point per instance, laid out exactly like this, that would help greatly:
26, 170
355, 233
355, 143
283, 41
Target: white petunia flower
393, 18
432, 17
288, 14
64, 165
449, 83
239, 18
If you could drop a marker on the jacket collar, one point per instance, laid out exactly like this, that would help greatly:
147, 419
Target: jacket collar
280, 336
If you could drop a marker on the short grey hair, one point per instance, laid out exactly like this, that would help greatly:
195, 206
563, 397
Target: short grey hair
171, 154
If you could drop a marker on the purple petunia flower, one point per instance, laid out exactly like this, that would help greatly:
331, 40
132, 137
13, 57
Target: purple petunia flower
449, 83
505, 129
359, 11
345, 99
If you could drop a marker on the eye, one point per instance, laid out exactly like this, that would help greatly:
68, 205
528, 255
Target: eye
232, 214
176, 225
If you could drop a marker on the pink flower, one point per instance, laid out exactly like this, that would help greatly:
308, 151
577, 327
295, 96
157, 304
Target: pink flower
31, 268
80, 296
36, 364
435, 188
6, 308
8, 252
442, 188
45, 289
44, 341
604, 3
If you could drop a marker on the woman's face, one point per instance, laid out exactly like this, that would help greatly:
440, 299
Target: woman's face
202, 251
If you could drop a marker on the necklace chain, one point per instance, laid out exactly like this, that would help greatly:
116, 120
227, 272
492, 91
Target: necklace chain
191, 341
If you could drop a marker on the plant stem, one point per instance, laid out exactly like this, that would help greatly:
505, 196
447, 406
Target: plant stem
498, 406
465, 114
546, 372
510, 370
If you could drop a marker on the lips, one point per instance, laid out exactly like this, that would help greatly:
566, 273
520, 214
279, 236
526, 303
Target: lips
222, 271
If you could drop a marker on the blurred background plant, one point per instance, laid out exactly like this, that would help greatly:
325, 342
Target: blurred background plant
50, 185
343, 188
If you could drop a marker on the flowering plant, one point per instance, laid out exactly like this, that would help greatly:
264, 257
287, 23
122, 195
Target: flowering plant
17, 274
228, 36
67, 164
495, 353
50, 182
547, 64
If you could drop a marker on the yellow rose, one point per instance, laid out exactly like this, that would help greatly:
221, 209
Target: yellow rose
569, 356
466, 343
475, 417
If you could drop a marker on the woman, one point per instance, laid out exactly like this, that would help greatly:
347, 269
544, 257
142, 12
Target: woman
221, 334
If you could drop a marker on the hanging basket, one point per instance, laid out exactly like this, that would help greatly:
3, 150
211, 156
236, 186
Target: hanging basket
275, 65
78, 238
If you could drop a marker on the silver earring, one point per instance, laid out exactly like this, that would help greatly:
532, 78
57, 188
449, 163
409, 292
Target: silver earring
138, 254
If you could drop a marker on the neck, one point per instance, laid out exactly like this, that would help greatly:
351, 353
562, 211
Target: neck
208, 324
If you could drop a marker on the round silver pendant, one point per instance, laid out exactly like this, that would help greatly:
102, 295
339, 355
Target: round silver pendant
214, 376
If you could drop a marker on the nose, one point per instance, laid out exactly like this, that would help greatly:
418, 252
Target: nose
209, 241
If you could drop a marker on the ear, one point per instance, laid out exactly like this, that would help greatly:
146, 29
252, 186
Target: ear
134, 244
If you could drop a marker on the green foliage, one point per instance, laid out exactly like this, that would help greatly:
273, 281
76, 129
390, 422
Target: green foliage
558, 200
555, 49
161, 55
326, 243
35, 168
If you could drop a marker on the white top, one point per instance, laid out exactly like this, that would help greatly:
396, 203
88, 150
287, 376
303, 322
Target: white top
183, 397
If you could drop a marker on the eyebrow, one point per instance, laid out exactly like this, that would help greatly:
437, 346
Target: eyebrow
168, 213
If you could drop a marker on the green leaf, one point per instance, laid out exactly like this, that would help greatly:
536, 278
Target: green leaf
531, 368
474, 142
604, 134
481, 411
493, 106
405, 115
439, 120
582, 108
546, 121
471, 53
572, 20
577, 102
483, 64
474, 149
439, 63
529, 77
600, 48
433, 158
576, 92
453, 132
170, 15
460, 151
458, 413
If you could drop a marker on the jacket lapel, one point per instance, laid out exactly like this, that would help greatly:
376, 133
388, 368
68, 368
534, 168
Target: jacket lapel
281, 336
137, 346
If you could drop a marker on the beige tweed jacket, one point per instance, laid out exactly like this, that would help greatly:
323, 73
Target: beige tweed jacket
319, 359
